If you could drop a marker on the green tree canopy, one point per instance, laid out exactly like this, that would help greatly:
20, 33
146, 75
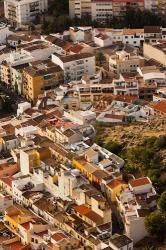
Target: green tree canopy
113, 147
155, 224
162, 202
100, 58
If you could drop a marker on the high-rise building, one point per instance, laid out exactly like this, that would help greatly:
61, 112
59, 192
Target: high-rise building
98, 10
103, 10
119, 7
20, 12
156, 6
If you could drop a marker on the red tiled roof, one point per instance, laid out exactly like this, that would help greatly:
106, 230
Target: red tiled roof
58, 236
42, 233
30, 111
27, 123
76, 48
9, 128
160, 106
7, 180
114, 183
140, 182
94, 217
126, 98
16, 246
82, 209
112, 116
26, 225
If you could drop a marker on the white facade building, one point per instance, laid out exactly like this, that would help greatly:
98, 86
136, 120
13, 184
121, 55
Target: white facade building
22, 107
20, 12
101, 10
135, 203
133, 37
75, 66
80, 117
96, 9
102, 40
4, 33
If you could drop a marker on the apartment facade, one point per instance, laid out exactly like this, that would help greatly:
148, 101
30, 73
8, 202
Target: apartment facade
96, 9
157, 7
40, 77
124, 62
135, 203
79, 8
75, 66
119, 7
102, 10
126, 86
93, 92
22, 12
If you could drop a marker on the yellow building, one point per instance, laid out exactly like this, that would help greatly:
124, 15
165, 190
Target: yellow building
114, 188
30, 159
41, 76
5, 73
85, 167
14, 216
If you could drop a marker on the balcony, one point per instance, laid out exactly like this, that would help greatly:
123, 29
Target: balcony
96, 91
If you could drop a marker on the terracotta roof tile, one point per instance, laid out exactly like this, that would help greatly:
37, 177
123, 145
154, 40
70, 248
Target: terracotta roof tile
140, 182
26, 225
82, 209
7, 180
114, 183
126, 98
58, 236
160, 106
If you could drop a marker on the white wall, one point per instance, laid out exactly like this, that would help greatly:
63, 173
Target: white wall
136, 230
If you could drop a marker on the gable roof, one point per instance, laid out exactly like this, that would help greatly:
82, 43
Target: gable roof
140, 182
160, 106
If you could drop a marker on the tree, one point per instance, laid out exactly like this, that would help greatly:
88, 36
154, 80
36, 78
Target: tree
7, 104
161, 142
155, 224
113, 147
16, 87
162, 202
100, 58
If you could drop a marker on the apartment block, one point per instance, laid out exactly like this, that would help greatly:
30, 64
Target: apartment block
123, 62
157, 7
21, 12
119, 7
126, 85
101, 10
41, 76
75, 66
79, 8
135, 202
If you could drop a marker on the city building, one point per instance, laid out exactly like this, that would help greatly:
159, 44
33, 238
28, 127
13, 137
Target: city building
135, 202
123, 62
75, 66
102, 11
119, 7
19, 13
156, 51
41, 76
